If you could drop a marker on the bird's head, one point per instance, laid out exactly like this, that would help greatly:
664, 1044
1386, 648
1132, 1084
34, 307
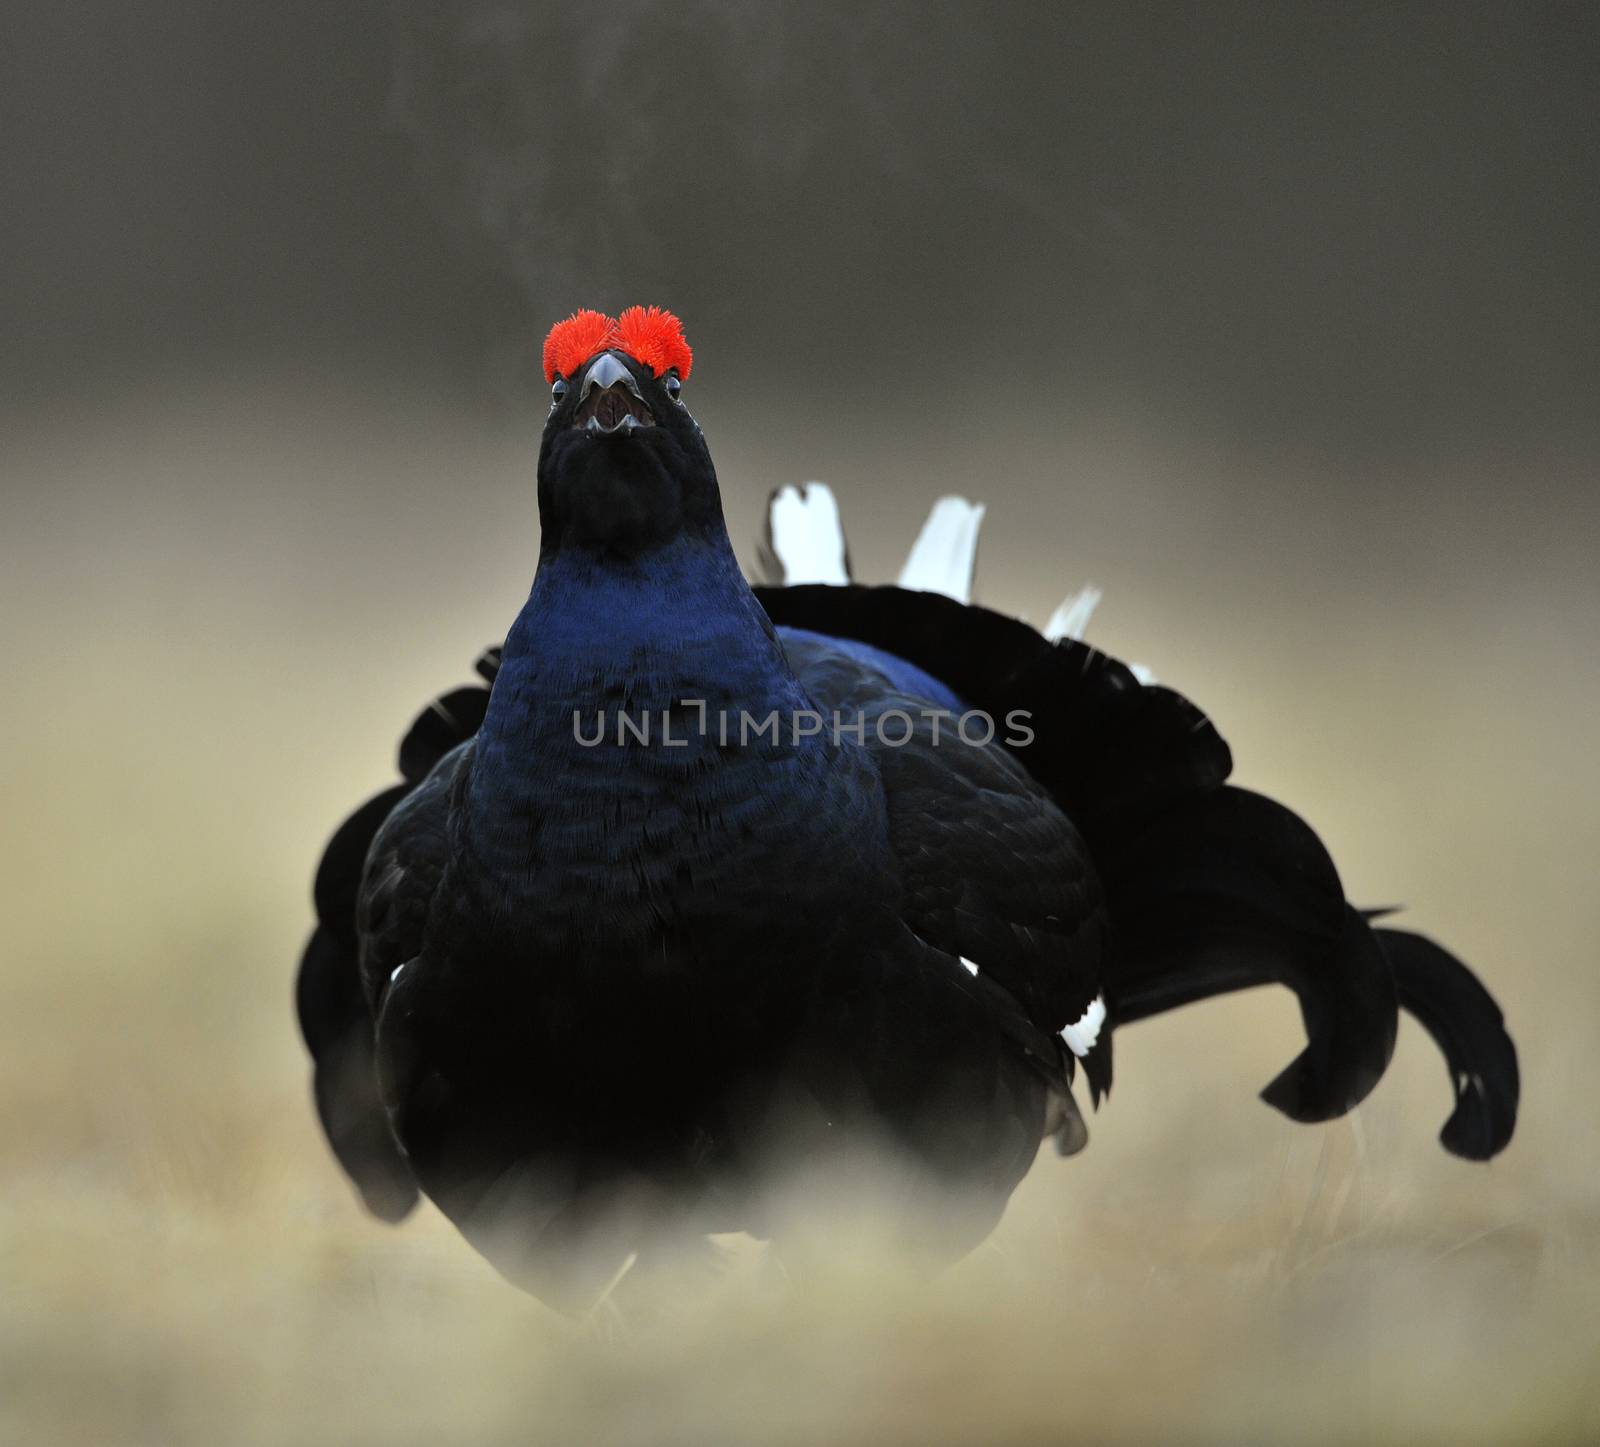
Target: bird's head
623, 467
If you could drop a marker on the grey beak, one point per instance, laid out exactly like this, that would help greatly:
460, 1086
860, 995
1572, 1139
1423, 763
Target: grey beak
606, 371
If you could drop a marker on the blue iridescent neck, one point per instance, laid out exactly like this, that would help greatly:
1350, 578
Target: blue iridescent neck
590, 840
675, 627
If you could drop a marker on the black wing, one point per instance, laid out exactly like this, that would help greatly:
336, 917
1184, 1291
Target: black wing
337, 1025
333, 1006
993, 874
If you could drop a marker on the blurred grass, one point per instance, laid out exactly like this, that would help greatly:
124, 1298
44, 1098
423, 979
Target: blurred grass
220, 613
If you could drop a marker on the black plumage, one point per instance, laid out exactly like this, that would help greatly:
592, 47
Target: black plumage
580, 991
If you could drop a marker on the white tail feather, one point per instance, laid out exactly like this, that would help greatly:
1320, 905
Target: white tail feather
1072, 615
805, 536
946, 550
1071, 620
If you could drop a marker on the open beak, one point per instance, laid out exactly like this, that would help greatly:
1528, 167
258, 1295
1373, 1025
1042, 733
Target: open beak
609, 399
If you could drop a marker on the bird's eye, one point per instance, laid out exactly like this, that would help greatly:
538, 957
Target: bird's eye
558, 390
672, 384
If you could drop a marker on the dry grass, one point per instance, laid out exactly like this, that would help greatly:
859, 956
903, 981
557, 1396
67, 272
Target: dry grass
182, 1263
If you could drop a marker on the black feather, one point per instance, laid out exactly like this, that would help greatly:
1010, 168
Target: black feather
339, 873
1229, 890
1110, 750
1208, 889
335, 1017
338, 1032
447, 721
1466, 1024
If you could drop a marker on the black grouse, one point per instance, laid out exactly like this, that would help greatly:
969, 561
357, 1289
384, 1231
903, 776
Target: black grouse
714, 884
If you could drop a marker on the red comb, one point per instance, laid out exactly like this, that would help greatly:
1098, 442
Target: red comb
654, 337
571, 343
647, 334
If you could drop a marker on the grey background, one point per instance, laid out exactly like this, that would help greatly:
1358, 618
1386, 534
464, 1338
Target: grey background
1358, 229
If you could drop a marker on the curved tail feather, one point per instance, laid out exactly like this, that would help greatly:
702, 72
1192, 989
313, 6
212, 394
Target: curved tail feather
1452, 1005
1229, 889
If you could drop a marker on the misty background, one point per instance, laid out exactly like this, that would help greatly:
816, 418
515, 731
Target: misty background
1364, 230
1279, 323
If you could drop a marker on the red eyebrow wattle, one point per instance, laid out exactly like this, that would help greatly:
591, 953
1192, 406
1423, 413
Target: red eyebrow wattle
571, 343
649, 335
655, 337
